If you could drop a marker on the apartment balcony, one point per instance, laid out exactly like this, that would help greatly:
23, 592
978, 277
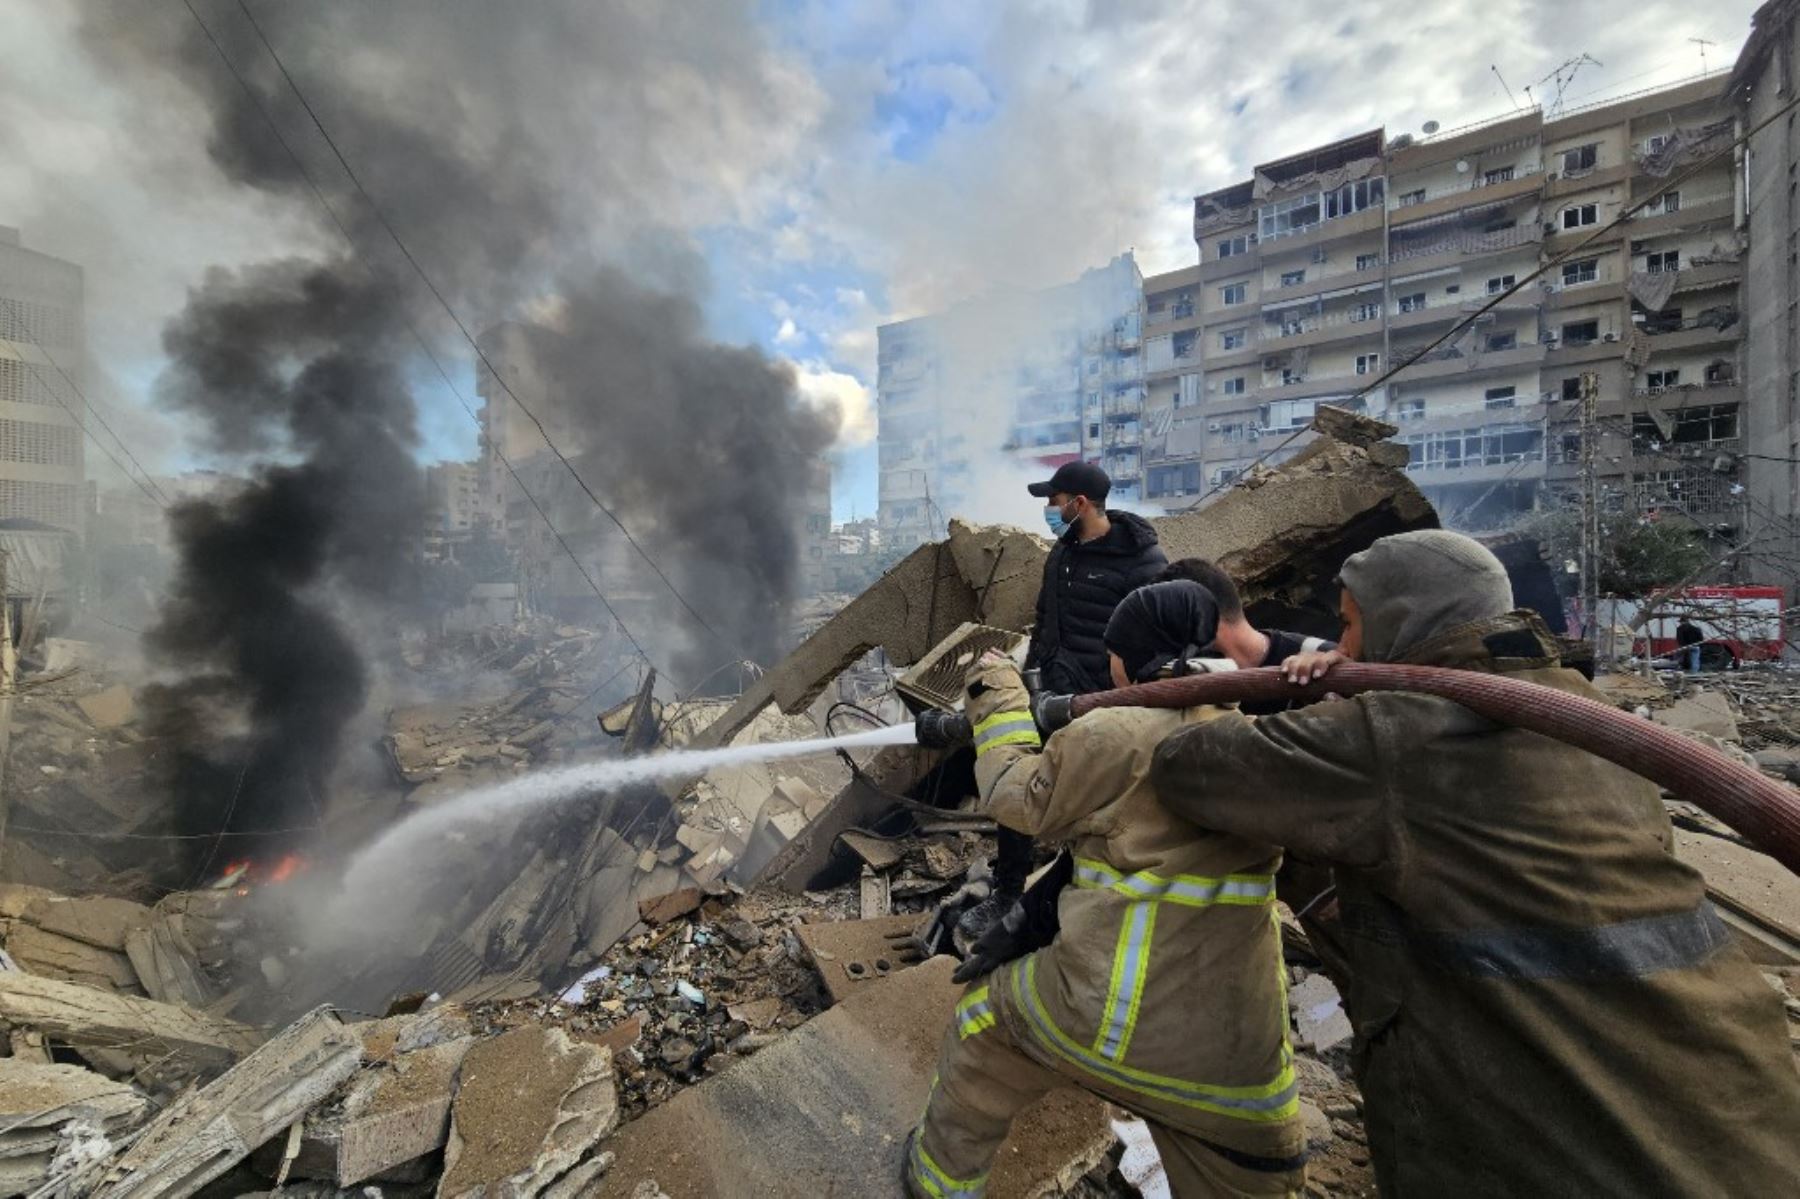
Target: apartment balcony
1312, 289
1694, 339
1439, 201
1712, 275
1455, 244
1687, 395
1701, 213
1173, 318
1530, 413
1524, 468
1590, 180
1237, 264
1443, 366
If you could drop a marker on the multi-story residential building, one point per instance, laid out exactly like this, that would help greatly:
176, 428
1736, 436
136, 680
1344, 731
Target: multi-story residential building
453, 507
42, 351
1035, 379
1762, 85
1328, 268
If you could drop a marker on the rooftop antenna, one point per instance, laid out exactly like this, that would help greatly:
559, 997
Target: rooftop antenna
1563, 76
1703, 44
1509, 92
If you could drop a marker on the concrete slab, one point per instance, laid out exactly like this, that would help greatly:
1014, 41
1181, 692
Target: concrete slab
87, 1018
1701, 712
38, 1098
97, 920
530, 1106
825, 1110
206, 1132
58, 957
390, 1115
853, 953
110, 708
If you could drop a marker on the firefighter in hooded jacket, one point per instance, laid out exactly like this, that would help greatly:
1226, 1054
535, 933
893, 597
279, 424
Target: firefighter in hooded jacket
1164, 989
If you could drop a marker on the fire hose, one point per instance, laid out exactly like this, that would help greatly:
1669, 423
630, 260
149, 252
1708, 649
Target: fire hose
1761, 809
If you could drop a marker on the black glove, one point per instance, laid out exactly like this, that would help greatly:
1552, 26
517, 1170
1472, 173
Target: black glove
1031, 923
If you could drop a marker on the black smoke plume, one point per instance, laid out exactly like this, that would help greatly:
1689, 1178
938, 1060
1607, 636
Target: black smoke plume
510, 146
295, 359
703, 450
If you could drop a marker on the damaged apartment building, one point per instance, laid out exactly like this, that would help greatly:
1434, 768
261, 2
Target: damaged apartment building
1327, 268
1031, 377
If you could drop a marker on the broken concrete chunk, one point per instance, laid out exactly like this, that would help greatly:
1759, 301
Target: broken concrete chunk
86, 1018
53, 956
16, 897
878, 852
1319, 1013
167, 967
531, 1104
825, 1109
389, 1115
96, 920
38, 1100
110, 708
849, 953
204, 1133
673, 906
1702, 712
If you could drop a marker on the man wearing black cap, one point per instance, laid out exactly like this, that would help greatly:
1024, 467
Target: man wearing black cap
1099, 558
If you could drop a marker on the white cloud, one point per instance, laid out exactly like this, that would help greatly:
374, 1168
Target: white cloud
788, 333
823, 387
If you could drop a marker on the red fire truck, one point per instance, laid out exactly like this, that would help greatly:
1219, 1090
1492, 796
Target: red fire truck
1741, 623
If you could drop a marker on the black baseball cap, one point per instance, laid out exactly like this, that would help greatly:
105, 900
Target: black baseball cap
1075, 478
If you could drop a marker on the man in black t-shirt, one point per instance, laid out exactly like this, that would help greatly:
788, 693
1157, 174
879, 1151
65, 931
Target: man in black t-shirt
1243, 643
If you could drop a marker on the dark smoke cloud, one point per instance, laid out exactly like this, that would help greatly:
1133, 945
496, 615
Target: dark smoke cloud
705, 450
291, 358
511, 146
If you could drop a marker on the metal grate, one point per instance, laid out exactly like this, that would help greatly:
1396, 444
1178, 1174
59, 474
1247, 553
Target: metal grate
937, 680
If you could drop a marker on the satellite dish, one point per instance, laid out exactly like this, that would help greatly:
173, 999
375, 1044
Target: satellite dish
1430, 127
1462, 166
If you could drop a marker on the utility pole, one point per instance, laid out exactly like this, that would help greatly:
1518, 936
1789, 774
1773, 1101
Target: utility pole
1590, 507
8, 677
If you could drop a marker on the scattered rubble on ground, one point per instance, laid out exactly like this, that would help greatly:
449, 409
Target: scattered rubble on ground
673, 990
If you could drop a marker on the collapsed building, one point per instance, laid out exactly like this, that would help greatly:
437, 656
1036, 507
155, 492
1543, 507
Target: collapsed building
695, 988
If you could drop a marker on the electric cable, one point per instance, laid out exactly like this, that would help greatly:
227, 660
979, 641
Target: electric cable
381, 217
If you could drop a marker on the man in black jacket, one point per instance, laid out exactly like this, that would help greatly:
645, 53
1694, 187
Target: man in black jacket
1099, 558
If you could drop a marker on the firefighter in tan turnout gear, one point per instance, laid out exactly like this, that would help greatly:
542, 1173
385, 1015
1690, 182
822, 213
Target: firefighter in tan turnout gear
1164, 989
1544, 1001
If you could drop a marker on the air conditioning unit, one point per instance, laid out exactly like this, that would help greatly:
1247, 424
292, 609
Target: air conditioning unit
1638, 247
1212, 426
1551, 177
1610, 337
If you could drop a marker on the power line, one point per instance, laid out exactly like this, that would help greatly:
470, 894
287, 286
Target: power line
469, 337
148, 484
418, 336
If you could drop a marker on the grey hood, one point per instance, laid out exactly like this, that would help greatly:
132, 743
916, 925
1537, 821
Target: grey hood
1413, 586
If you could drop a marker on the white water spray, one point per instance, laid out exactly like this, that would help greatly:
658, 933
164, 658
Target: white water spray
402, 843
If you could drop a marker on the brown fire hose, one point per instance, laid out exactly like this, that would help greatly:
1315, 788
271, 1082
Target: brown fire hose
1763, 810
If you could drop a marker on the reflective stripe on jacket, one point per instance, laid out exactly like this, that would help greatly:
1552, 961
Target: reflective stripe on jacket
1164, 989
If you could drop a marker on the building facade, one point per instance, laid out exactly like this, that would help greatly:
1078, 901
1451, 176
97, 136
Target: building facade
1026, 381
42, 339
454, 503
1327, 268
1762, 85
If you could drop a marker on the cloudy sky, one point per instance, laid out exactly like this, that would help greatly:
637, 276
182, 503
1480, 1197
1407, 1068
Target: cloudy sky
820, 167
